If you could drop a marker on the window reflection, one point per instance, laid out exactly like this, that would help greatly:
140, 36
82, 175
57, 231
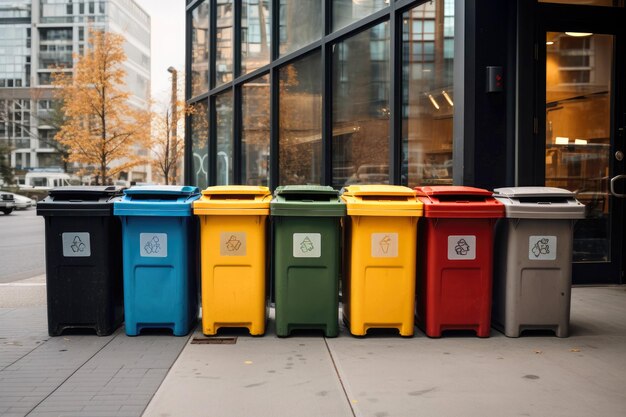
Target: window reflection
578, 132
361, 108
200, 49
224, 123
349, 11
224, 43
427, 93
300, 125
255, 132
300, 24
199, 144
256, 31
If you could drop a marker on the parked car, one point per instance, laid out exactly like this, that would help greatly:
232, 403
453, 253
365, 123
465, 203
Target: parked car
7, 203
22, 202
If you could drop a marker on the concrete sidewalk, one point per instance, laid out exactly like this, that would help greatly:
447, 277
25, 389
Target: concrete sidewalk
385, 375
158, 375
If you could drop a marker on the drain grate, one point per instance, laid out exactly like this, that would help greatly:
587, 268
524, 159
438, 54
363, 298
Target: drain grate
213, 340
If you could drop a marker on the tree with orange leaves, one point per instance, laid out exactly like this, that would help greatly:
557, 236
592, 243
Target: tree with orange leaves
101, 128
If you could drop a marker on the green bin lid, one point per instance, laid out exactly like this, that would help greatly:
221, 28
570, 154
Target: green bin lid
80, 201
540, 203
307, 201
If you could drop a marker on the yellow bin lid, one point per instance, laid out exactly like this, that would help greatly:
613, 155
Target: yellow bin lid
381, 200
234, 200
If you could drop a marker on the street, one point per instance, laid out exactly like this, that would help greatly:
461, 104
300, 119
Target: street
22, 253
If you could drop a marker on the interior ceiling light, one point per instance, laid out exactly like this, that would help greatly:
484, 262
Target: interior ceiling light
550, 43
432, 100
578, 34
445, 95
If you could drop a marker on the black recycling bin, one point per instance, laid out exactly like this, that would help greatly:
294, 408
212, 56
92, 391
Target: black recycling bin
84, 278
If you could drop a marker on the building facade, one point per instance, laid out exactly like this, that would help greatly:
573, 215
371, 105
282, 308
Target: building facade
484, 93
38, 36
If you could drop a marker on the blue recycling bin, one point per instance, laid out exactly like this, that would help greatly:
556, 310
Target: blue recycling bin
159, 235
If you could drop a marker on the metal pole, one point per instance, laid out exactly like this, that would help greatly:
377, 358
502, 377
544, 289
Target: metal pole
174, 139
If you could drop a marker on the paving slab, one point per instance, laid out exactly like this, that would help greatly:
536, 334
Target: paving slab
256, 376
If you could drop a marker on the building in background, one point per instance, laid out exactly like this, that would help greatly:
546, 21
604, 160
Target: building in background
485, 93
37, 36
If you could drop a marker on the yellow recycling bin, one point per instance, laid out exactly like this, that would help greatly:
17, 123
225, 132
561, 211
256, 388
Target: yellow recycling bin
232, 257
381, 243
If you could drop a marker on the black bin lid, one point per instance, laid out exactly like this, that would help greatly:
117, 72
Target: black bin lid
80, 201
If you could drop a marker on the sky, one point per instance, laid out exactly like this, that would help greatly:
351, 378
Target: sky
168, 45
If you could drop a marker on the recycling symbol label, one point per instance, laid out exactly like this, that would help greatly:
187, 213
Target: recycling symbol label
307, 245
384, 245
153, 245
233, 244
542, 248
461, 247
76, 244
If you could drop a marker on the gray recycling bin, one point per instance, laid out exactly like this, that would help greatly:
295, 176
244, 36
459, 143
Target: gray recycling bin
533, 259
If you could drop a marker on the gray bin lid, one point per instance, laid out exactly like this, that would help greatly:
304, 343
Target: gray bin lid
540, 203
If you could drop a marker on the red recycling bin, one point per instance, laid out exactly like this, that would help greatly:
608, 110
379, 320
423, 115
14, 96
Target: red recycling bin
455, 272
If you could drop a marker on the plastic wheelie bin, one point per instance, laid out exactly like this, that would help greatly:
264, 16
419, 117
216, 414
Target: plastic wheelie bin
454, 281
380, 244
307, 257
233, 229
159, 237
533, 264
83, 259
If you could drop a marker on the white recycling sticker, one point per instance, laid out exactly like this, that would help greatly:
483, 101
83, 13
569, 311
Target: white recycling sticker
76, 244
233, 244
542, 248
307, 245
384, 245
461, 248
153, 245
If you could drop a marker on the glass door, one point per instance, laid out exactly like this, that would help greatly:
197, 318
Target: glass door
583, 139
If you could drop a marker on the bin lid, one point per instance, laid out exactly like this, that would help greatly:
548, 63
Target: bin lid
448, 201
157, 200
381, 200
234, 200
540, 203
80, 201
307, 201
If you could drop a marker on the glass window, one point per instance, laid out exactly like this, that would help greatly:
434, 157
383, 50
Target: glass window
300, 24
200, 49
256, 32
255, 132
361, 108
224, 42
200, 144
349, 11
428, 96
300, 125
224, 124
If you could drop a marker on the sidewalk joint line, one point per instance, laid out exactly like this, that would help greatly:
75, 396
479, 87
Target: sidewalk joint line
169, 369
345, 392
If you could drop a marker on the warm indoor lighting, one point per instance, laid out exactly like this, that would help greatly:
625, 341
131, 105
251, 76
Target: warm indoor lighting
432, 100
550, 43
580, 141
578, 34
447, 97
561, 140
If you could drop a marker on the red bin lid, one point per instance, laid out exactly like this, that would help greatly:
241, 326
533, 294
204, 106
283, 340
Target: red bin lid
459, 202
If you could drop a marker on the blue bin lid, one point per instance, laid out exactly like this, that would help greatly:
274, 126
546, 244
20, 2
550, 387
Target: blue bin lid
157, 200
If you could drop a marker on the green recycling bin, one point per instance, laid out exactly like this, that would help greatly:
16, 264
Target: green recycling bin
307, 257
